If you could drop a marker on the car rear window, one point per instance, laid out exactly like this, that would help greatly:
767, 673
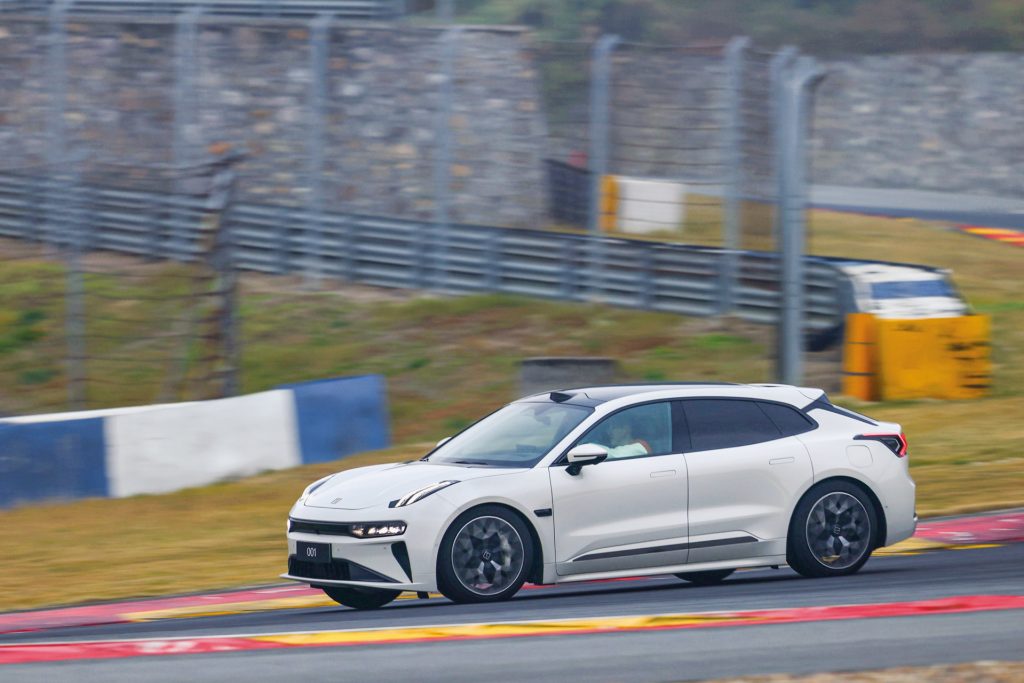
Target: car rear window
910, 289
727, 423
789, 420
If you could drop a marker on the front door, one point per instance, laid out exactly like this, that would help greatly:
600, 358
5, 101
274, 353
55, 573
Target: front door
628, 512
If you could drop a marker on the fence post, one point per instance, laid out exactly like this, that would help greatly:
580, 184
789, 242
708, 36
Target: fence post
319, 37
779, 68
63, 206
444, 11
56, 152
185, 138
443, 157
799, 87
600, 94
74, 228
600, 133
733, 164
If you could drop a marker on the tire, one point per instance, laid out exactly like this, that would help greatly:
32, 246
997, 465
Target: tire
708, 578
485, 555
360, 598
833, 530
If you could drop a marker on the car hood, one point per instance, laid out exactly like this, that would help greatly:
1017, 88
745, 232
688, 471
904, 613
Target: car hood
366, 487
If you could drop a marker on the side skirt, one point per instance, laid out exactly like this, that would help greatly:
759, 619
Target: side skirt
763, 561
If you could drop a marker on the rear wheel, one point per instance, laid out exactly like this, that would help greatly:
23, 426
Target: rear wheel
832, 532
357, 597
485, 556
708, 578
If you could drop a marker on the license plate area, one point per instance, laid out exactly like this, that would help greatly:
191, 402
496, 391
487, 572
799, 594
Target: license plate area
319, 553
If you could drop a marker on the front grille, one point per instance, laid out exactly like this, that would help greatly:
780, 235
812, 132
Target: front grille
306, 526
335, 570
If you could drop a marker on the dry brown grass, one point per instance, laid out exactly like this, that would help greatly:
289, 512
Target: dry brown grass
450, 360
218, 536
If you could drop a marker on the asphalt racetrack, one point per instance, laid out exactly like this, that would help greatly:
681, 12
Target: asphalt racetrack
913, 608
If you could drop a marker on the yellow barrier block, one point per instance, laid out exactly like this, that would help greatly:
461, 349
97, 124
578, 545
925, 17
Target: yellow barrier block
609, 203
860, 374
945, 358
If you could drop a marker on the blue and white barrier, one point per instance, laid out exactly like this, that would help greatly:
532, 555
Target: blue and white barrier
162, 448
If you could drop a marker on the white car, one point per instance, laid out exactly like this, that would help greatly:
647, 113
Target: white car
890, 290
691, 479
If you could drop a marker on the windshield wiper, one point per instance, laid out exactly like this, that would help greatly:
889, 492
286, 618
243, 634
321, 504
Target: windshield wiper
485, 463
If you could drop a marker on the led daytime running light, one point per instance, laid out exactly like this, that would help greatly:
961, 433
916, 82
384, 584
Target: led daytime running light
378, 529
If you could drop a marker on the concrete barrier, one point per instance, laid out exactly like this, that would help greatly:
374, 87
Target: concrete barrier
642, 205
162, 448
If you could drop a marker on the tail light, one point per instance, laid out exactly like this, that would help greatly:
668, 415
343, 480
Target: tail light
897, 443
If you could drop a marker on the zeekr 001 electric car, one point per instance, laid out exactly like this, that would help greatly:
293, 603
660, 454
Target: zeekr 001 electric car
695, 480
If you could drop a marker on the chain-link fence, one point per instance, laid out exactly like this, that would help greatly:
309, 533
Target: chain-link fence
374, 152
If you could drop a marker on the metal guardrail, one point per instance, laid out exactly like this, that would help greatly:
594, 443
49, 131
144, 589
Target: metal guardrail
388, 252
341, 9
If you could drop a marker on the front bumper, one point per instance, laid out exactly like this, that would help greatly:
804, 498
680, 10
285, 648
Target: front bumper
378, 563
404, 562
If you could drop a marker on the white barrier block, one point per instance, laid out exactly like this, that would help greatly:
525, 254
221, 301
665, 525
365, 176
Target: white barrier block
650, 205
177, 446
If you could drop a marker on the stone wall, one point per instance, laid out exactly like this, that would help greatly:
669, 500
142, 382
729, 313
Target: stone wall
937, 122
253, 82
940, 122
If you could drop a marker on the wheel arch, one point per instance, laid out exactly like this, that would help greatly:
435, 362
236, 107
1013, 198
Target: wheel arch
536, 572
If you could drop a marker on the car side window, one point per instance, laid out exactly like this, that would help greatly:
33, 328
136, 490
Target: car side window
789, 420
727, 423
635, 432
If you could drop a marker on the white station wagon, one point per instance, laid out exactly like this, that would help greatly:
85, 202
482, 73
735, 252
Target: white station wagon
696, 480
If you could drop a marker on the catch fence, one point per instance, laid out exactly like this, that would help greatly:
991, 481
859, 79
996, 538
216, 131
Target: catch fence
451, 158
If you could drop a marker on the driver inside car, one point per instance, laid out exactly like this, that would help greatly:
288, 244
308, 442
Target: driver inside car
623, 443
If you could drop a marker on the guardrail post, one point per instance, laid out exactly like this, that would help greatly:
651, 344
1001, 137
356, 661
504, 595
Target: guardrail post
186, 136
799, 87
733, 163
443, 156
315, 241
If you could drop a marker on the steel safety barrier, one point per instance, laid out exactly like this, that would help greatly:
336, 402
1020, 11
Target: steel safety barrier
402, 253
342, 9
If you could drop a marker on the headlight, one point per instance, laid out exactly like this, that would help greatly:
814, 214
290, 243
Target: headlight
421, 493
377, 529
313, 487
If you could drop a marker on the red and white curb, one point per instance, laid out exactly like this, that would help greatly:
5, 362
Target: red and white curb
984, 530
117, 649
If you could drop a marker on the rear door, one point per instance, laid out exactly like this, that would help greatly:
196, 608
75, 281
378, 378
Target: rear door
745, 470
629, 511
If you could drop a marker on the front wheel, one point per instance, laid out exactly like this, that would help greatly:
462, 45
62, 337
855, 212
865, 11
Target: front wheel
357, 597
832, 532
708, 578
485, 556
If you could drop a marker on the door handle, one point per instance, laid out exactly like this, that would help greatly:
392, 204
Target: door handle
663, 473
781, 461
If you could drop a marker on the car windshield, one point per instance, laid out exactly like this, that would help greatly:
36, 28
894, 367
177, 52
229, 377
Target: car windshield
518, 435
911, 289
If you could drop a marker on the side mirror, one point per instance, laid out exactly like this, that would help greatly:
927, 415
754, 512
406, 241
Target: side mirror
443, 441
584, 454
